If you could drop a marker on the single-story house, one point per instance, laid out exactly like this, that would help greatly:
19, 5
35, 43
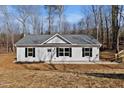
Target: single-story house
57, 48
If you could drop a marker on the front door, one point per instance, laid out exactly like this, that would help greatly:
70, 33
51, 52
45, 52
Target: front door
51, 53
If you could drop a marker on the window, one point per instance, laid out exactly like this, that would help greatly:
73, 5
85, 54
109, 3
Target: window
29, 52
86, 52
67, 51
63, 52
48, 50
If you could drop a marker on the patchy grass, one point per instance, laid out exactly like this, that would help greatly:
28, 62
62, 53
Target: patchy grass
69, 75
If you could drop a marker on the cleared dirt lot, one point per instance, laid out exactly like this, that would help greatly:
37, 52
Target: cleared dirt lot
69, 75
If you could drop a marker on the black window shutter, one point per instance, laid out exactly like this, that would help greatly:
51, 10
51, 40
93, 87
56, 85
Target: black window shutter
90, 52
57, 55
82, 52
33, 52
70, 52
26, 52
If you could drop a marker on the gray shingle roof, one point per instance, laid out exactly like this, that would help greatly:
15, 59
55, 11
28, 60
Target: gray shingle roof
33, 39
74, 39
81, 39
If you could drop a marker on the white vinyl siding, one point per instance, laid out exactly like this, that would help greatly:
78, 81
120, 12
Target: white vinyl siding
42, 54
56, 40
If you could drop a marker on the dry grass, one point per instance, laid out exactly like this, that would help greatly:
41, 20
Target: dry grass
32, 78
69, 75
107, 55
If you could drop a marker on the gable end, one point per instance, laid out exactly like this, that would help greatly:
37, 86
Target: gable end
57, 39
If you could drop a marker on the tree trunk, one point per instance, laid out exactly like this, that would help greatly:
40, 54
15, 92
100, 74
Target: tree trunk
101, 25
12, 37
115, 28
107, 30
117, 49
7, 39
59, 23
49, 18
7, 43
42, 27
96, 23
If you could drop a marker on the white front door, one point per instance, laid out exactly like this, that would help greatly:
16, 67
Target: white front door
51, 53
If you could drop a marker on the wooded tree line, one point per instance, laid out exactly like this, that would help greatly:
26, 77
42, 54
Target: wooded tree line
105, 23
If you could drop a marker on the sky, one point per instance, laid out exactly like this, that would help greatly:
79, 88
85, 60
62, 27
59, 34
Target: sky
73, 13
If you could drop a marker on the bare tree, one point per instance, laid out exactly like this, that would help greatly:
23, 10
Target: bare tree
8, 27
107, 31
35, 23
87, 24
42, 26
74, 29
116, 23
66, 26
60, 10
35, 19
96, 19
22, 16
51, 10
101, 24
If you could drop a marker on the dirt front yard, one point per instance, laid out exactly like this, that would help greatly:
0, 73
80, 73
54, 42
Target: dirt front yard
69, 75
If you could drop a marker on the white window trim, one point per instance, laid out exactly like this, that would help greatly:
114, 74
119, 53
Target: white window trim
29, 51
63, 52
87, 51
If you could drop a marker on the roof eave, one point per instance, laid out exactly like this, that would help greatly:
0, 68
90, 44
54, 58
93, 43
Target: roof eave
56, 45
